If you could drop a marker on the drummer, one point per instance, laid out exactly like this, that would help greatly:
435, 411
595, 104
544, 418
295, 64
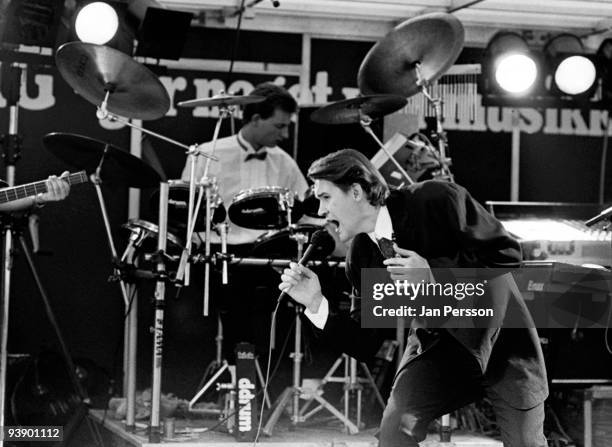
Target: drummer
251, 159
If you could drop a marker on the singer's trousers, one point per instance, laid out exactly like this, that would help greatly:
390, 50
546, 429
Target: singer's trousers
439, 381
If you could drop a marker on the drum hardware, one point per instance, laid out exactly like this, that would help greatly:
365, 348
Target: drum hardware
364, 110
225, 104
352, 384
291, 395
409, 59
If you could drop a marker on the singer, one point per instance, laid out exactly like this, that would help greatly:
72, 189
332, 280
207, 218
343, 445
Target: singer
434, 224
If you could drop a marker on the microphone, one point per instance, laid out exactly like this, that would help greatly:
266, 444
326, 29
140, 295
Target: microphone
605, 214
320, 242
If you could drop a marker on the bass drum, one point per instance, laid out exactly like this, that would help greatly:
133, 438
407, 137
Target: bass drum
279, 244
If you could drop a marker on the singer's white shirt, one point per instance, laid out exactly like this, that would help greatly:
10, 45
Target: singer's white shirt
382, 229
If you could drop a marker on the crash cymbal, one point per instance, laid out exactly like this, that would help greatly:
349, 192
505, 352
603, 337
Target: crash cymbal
91, 70
119, 167
222, 101
433, 41
352, 110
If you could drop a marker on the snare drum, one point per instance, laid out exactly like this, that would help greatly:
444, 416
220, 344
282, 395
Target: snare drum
178, 201
278, 244
263, 208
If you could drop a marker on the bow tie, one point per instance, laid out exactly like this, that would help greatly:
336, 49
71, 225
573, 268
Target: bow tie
386, 247
259, 155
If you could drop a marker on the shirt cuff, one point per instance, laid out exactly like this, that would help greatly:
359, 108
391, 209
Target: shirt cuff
320, 317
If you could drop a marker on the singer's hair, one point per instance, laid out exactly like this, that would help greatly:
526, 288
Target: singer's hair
347, 167
276, 98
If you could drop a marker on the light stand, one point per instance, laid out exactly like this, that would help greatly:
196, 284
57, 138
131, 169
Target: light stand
292, 394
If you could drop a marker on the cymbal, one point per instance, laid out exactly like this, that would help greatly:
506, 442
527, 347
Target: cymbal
352, 110
91, 70
433, 41
222, 101
119, 167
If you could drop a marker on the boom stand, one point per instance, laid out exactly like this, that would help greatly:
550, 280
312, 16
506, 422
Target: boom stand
295, 390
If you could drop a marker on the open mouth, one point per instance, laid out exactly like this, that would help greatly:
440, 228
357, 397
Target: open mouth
335, 223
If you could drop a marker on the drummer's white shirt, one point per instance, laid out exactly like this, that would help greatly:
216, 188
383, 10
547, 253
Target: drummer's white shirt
234, 174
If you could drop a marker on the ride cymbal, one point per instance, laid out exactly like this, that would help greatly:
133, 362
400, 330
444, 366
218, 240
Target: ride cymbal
92, 70
222, 101
354, 110
119, 167
431, 41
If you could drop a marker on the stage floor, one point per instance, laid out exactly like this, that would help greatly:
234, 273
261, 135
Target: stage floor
191, 433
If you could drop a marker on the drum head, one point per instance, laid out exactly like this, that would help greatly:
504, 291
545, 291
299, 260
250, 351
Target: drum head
280, 245
178, 200
261, 209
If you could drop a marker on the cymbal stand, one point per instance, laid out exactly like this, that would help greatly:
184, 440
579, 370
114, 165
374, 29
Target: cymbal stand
158, 330
293, 393
444, 172
103, 113
137, 236
365, 122
192, 213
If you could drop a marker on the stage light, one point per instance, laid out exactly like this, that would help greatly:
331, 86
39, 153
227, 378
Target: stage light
96, 23
572, 73
516, 73
509, 65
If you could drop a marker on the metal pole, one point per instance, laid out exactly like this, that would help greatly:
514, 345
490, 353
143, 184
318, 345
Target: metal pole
158, 333
516, 156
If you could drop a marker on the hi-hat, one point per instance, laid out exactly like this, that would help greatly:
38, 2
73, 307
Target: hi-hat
222, 101
355, 109
92, 70
431, 41
119, 167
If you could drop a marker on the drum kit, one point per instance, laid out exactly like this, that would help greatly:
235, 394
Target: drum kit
404, 63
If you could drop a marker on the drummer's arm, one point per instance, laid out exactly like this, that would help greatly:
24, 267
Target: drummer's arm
57, 189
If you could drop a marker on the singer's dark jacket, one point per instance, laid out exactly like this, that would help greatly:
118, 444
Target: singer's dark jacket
445, 225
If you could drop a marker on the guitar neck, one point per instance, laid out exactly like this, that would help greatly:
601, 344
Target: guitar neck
13, 193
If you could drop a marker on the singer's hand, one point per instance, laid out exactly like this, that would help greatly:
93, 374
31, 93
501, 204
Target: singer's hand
408, 266
57, 189
302, 284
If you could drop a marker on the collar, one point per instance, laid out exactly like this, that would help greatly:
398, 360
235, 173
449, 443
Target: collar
383, 227
246, 146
